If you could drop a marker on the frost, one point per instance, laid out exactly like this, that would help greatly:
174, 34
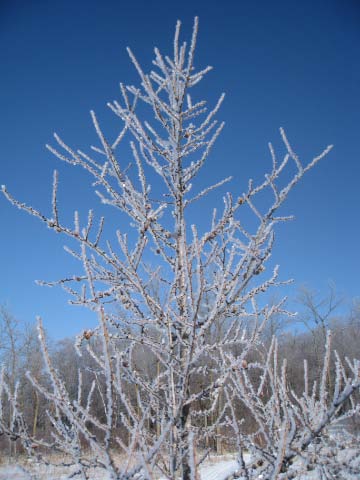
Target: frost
171, 357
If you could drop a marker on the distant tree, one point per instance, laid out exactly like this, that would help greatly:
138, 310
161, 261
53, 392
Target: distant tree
210, 281
10, 346
317, 313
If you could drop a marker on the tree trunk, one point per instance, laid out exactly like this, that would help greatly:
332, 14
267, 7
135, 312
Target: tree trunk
185, 462
36, 413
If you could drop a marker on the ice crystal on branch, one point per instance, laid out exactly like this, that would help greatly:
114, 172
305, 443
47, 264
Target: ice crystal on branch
170, 350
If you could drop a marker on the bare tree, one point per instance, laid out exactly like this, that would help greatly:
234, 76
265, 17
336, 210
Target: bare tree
220, 268
318, 311
10, 351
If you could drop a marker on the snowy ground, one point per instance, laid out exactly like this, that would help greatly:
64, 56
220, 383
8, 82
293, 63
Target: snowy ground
218, 469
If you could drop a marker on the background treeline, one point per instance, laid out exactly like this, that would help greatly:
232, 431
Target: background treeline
299, 338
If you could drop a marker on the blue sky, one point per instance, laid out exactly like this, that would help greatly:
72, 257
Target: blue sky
281, 63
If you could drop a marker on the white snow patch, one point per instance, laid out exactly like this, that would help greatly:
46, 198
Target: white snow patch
218, 471
14, 472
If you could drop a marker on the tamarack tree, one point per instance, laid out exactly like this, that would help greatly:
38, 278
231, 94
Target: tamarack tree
204, 279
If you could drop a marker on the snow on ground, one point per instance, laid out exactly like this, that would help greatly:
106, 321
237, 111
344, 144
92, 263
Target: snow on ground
218, 471
218, 468
14, 472
215, 470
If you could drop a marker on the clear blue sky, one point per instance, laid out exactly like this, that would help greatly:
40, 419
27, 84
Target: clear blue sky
282, 63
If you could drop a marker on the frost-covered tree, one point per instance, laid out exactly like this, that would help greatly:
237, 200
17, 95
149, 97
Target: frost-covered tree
180, 309
293, 433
